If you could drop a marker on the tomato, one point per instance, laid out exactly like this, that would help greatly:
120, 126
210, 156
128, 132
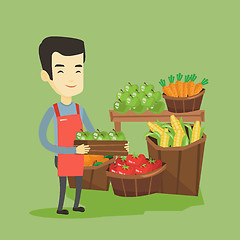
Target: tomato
126, 170
133, 160
145, 168
113, 168
155, 164
142, 158
120, 161
158, 164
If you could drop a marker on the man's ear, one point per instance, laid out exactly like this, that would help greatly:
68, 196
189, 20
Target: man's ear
44, 75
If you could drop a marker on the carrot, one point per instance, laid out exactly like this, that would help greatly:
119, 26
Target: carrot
185, 86
167, 90
172, 85
191, 85
199, 86
179, 85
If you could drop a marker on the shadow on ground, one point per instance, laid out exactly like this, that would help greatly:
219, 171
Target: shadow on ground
103, 204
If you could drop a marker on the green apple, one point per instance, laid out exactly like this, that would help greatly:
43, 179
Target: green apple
79, 134
157, 107
133, 101
119, 136
83, 137
141, 95
135, 87
147, 101
131, 88
122, 95
156, 95
111, 133
88, 135
103, 136
139, 109
135, 93
96, 133
146, 88
120, 107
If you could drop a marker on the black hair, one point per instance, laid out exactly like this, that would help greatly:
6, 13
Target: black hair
63, 45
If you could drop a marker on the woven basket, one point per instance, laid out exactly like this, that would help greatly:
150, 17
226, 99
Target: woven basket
184, 104
137, 185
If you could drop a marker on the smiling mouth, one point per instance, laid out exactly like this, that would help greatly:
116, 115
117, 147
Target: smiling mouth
71, 86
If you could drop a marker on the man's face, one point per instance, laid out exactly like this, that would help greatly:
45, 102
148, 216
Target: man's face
67, 72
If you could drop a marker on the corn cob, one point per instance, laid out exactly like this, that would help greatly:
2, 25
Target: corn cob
196, 132
164, 139
177, 140
176, 125
154, 127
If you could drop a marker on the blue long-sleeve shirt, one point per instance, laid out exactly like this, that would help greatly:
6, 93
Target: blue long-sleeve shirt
49, 115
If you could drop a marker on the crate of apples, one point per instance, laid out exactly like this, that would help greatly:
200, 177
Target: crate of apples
103, 142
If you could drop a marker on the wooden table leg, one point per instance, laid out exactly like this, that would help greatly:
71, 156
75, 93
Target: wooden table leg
117, 126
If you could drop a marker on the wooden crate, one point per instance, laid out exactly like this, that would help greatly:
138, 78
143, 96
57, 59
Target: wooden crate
115, 148
94, 177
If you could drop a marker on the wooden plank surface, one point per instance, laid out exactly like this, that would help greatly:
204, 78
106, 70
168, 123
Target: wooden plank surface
164, 116
115, 148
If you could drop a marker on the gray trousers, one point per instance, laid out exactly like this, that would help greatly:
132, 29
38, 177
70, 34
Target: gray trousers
63, 183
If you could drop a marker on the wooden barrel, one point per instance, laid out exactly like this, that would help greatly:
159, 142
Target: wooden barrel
184, 165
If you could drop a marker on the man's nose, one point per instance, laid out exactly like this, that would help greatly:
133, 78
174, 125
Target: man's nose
71, 80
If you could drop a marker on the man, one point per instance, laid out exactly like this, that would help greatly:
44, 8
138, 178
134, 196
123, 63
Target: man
62, 62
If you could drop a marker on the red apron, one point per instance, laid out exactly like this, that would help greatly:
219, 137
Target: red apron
69, 164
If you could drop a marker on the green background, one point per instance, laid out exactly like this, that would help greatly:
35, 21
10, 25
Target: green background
125, 41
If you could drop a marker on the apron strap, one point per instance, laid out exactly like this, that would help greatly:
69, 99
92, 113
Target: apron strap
56, 110
77, 108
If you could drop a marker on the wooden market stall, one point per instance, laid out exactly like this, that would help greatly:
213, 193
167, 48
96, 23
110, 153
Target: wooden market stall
164, 116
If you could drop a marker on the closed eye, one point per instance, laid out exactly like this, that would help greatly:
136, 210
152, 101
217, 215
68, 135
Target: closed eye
78, 71
60, 71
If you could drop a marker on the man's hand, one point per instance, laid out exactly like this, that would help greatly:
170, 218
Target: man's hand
82, 149
127, 146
